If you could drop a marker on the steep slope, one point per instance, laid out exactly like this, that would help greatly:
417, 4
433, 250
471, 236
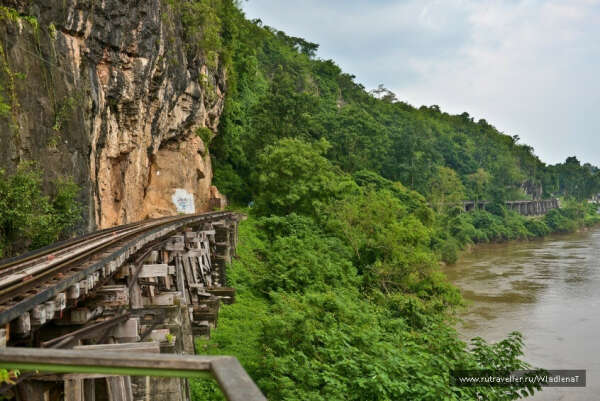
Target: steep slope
110, 92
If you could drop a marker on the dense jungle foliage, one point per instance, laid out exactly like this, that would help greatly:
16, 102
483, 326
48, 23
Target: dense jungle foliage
353, 199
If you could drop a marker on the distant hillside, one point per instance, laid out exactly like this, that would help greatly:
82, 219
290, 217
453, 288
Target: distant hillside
279, 89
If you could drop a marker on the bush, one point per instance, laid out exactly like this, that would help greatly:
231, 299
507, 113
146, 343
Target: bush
537, 227
449, 252
557, 222
28, 218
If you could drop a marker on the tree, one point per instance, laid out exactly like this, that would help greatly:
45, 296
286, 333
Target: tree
479, 182
294, 176
445, 189
383, 93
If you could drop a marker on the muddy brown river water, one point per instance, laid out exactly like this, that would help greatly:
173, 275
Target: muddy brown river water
549, 290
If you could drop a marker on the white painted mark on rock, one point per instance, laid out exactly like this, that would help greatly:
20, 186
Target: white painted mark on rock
184, 201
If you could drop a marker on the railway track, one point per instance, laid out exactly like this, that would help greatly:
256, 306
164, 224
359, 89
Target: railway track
42, 275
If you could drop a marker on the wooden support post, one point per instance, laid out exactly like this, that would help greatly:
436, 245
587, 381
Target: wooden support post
180, 277
119, 388
74, 390
135, 296
89, 390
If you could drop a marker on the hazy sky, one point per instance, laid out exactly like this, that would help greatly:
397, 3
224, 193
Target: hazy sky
530, 68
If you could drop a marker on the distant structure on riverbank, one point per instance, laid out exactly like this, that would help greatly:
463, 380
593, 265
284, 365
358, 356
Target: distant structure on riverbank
523, 207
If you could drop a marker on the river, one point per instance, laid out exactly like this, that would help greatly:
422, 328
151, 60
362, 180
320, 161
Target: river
549, 290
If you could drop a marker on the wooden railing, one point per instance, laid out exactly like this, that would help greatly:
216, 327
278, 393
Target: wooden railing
231, 376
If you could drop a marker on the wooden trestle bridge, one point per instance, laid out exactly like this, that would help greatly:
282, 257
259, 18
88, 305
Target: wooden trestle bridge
111, 301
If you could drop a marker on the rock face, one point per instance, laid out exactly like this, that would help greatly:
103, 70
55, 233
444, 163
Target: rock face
109, 92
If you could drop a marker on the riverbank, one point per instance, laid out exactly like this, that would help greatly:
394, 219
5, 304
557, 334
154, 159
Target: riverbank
461, 231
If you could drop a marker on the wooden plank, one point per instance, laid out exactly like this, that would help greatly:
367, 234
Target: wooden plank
159, 335
113, 295
192, 253
180, 277
195, 270
158, 270
189, 235
162, 299
234, 381
128, 329
41, 359
145, 347
207, 274
188, 271
189, 277
151, 287
135, 296
70, 376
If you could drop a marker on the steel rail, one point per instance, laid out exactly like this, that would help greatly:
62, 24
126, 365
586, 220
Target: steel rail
29, 258
11, 291
45, 293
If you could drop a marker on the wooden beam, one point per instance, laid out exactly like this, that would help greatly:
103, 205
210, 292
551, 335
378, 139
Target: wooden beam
74, 390
234, 381
158, 270
146, 347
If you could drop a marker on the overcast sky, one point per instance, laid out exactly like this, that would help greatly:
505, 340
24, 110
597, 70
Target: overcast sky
530, 68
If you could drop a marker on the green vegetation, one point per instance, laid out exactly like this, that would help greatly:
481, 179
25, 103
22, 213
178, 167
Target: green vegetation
353, 200
28, 218
459, 229
342, 299
278, 89
354, 205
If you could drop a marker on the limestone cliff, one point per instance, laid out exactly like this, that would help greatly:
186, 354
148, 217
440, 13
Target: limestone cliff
109, 92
